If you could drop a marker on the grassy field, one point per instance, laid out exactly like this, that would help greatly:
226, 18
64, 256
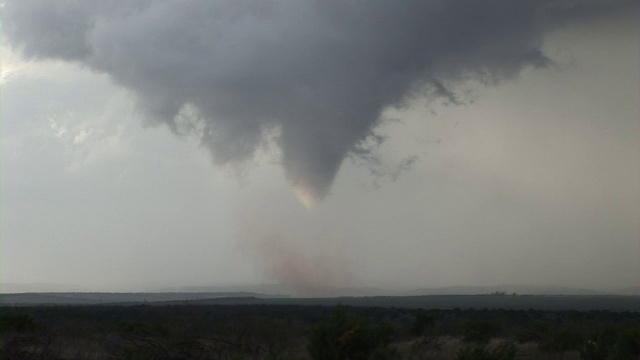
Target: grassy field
313, 332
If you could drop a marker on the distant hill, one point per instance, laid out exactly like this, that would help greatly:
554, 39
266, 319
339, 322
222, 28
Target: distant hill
95, 298
633, 290
521, 302
508, 289
328, 291
284, 290
56, 293
497, 300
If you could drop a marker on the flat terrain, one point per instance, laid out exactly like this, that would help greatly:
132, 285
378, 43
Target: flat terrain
493, 301
524, 302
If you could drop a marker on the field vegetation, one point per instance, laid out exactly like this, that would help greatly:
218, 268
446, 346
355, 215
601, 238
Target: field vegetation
227, 332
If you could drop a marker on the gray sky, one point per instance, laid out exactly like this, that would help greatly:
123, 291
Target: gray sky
511, 151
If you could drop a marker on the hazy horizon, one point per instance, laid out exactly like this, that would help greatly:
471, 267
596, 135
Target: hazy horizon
285, 290
149, 144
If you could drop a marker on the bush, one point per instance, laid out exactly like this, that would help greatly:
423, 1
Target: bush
422, 322
17, 323
533, 332
481, 331
612, 343
343, 337
561, 340
505, 351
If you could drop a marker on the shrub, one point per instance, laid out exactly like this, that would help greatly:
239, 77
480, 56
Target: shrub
561, 340
17, 323
612, 343
422, 322
505, 351
343, 337
481, 331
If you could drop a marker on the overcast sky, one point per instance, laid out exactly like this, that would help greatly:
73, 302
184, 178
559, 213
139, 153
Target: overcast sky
148, 145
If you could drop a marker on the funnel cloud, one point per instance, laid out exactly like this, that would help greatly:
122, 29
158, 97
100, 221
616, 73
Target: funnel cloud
317, 73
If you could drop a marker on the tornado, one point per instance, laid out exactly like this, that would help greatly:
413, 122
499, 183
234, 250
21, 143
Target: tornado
320, 73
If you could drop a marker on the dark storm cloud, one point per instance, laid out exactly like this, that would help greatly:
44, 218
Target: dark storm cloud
320, 72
